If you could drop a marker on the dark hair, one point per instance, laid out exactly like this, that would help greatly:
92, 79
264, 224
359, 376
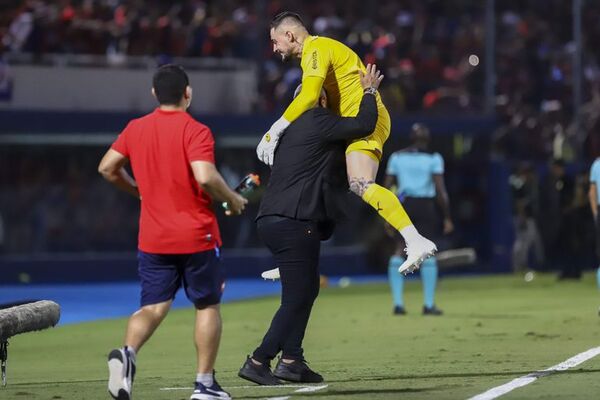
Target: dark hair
419, 133
169, 83
279, 18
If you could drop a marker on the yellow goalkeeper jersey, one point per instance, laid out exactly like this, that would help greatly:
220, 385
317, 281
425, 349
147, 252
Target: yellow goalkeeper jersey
338, 65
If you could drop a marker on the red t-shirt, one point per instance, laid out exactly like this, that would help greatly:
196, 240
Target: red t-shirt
176, 215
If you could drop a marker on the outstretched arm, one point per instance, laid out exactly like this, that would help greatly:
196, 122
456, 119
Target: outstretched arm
308, 97
442, 198
593, 199
315, 63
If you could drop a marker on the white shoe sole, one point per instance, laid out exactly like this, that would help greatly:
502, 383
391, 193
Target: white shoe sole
414, 263
117, 381
272, 274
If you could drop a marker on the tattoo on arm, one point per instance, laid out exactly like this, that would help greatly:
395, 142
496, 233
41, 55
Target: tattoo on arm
360, 185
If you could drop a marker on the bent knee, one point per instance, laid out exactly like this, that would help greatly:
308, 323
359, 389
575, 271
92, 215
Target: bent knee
359, 186
157, 311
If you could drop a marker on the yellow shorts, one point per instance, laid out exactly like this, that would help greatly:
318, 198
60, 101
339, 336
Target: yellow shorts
372, 145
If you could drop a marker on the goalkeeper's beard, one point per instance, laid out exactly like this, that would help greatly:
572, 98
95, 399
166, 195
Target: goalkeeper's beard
285, 57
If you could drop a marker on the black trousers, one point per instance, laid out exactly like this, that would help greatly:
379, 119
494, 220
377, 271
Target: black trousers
598, 238
295, 245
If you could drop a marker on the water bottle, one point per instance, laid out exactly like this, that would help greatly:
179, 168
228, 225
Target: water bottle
245, 187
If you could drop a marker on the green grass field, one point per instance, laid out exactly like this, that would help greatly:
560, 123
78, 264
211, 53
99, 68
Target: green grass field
494, 329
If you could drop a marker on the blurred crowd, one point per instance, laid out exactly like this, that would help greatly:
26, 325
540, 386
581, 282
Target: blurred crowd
50, 201
189, 28
432, 52
535, 47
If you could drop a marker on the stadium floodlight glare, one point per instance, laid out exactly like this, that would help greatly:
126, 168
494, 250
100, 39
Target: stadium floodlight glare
24, 318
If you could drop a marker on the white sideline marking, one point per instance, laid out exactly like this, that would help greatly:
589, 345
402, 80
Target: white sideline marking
177, 388
302, 389
527, 379
309, 389
246, 387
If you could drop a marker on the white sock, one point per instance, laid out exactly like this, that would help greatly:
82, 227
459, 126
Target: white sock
410, 234
205, 379
131, 352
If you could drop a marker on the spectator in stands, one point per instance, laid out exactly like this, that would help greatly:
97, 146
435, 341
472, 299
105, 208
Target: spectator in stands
441, 43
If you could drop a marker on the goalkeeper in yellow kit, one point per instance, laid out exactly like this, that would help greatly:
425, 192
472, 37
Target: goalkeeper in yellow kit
331, 65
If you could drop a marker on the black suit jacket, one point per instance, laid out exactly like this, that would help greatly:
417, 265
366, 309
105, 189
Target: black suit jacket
308, 179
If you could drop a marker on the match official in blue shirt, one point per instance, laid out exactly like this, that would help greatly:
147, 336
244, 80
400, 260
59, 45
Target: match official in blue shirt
418, 177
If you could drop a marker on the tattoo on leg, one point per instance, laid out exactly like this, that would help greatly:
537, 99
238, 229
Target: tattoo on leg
359, 186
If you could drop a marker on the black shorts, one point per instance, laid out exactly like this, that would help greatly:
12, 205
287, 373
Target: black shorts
424, 215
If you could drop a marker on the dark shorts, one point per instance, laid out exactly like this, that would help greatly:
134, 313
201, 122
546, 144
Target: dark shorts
424, 215
161, 275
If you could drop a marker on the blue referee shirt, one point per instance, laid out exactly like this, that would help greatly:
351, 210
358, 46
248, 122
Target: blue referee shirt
595, 176
414, 172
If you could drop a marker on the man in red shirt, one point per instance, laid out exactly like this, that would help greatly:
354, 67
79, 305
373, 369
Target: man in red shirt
172, 159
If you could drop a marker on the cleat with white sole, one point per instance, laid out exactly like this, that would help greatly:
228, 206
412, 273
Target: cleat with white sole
213, 392
272, 274
121, 370
417, 252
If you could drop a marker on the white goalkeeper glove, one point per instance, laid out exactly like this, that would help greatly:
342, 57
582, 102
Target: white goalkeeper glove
268, 144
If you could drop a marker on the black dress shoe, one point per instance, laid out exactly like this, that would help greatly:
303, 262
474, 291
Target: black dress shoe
399, 310
260, 374
433, 310
296, 371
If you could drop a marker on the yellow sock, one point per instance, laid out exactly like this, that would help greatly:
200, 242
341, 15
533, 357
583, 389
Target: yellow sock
387, 205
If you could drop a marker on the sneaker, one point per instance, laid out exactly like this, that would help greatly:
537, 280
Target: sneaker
296, 371
399, 310
417, 252
121, 370
271, 274
260, 374
213, 392
433, 310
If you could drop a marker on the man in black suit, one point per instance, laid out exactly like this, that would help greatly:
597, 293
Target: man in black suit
302, 200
